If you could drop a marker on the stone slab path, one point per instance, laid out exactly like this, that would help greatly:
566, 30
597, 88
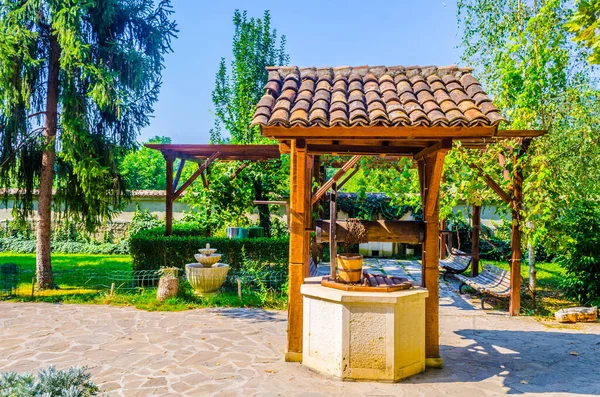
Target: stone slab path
238, 352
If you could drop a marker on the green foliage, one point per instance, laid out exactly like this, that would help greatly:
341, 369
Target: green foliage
579, 252
237, 91
49, 382
143, 220
585, 23
236, 94
522, 52
368, 206
145, 168
111, 57
151, 249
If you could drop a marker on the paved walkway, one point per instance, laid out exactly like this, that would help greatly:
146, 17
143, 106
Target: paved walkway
238, 352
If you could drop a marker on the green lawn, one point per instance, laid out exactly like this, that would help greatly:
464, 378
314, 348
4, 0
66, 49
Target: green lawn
72, 261
71, 275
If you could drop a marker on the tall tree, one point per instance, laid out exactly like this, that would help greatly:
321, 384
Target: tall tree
522, 51
237, 91
78, 81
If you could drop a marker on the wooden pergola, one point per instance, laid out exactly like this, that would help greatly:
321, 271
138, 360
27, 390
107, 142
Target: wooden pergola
204, 156
378, 111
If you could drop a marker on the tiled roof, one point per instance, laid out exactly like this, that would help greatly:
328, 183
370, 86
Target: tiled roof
368, 96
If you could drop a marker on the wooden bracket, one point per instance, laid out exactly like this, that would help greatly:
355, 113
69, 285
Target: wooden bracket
196, 174
348, 177
238, 170
178, 175
327, 185
444, 144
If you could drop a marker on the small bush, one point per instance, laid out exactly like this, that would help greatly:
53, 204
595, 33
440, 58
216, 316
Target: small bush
579, 254
49, 382
151, 249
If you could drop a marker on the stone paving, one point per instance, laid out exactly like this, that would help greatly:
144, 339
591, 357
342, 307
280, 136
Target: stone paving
238, 352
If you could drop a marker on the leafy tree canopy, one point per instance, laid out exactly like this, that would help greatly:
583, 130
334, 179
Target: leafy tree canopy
585, 23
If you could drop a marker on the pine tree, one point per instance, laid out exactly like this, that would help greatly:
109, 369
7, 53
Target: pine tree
78, 81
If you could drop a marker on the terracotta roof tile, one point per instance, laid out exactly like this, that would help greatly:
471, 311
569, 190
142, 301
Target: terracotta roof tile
378, 95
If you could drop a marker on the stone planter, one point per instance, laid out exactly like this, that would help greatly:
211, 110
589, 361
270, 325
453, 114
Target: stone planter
206, 281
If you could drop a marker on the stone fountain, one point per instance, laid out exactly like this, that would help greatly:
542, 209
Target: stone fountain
208, 275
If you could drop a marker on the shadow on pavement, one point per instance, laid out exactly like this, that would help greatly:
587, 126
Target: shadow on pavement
527, 361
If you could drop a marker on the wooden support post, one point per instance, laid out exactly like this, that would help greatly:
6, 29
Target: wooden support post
310, 160
332, 230
169, 198
298, 250
515, 259
430, 168
476, 226
443, 240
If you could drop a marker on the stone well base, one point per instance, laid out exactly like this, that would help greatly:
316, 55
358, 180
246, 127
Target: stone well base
363, 335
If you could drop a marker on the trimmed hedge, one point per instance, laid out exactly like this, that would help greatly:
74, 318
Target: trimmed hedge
21, 246
151, 249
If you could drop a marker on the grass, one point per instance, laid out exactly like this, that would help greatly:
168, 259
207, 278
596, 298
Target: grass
549, 297
81, 262
70, 274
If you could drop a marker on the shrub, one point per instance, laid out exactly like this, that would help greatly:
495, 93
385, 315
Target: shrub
151, 249
73, 382
579, 253
64, 247
143, 220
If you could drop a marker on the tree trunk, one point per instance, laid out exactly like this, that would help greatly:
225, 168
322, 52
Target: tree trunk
45, 279
263, 209
532, 271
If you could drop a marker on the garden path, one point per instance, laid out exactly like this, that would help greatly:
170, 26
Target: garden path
231, 352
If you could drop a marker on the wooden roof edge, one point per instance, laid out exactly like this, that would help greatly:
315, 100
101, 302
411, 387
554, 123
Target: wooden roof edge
215, 147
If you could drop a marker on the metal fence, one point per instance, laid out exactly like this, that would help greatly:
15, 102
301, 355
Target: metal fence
16, 281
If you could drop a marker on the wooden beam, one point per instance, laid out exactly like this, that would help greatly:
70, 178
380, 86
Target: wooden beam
476, 227
327, 185
378, 132
348, 177
408, 232
362, 150
196, 174
445, 144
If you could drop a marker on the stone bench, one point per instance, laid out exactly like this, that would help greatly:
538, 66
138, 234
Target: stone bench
491, 281
456, 263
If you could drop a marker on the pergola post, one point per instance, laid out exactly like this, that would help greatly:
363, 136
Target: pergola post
298, 246
443, 240
476, 227
169, 196
430, 167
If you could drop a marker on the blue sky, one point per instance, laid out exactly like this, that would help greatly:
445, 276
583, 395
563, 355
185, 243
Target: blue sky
319, 33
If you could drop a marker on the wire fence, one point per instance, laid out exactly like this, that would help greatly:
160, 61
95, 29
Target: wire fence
16, 281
